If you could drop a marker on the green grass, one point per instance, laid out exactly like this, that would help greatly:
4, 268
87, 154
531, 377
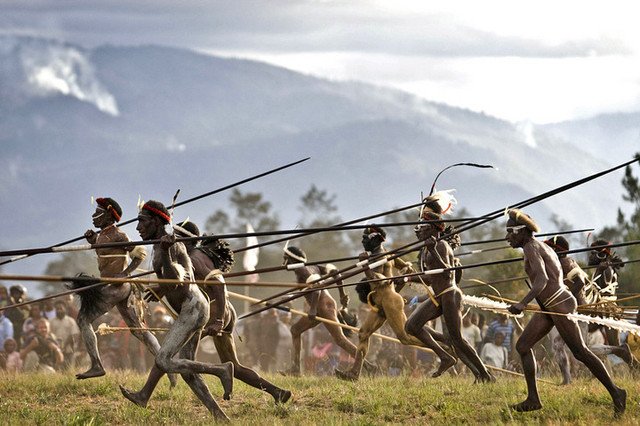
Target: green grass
61, 399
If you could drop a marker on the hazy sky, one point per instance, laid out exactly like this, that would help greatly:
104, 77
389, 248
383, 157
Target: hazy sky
541, 61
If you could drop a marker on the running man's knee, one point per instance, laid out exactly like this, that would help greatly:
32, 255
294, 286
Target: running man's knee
412, 327
163, 361
581, 353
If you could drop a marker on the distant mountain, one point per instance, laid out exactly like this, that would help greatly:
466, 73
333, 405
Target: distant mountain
609, 136
124, 121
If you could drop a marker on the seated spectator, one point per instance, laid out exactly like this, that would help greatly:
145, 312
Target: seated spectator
505, 326
10, 360
29, 325
494, 353
66, 331
6, 329
41, 352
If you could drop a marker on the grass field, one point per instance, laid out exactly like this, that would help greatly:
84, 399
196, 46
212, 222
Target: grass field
61, 399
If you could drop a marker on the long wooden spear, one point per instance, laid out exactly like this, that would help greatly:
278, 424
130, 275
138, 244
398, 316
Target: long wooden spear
198, 197
393, 254
344, 259
524, 277
131, 279
92, 280
476, 265
547, 234
122, 244
386, 213
355, 329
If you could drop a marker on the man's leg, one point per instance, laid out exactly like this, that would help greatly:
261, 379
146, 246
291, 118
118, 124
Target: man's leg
415, 326
226, 348
85, 319
336, 331
537, 328
558, 348
571, 334
372, 323
452, 316
194, 380
302, 325
131, 319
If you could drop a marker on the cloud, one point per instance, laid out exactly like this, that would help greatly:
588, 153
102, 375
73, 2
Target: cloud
506, 58
291, 26
54, 68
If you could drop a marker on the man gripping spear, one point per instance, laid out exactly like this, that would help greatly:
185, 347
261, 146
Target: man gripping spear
112, 263
543, 268
447, 300
321, 304
209, 261
177, 353
386, 303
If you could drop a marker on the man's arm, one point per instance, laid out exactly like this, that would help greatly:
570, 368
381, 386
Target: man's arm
218, 304
331, 271
539, 279
175, 260
441, 253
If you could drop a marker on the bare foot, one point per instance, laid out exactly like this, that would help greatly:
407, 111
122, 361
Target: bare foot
619, 402
92, 372
445, 364
527, 405
282, 396
348, 376
134, 397
227, 380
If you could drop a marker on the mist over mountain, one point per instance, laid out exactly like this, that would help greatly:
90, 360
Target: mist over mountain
608, 136
144, 121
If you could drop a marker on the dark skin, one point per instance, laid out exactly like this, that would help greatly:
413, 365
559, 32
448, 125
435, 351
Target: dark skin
220, 328
322, 305
439, 255
605, 275
169, 261
111, 263
545, 274
391, 309
576, 285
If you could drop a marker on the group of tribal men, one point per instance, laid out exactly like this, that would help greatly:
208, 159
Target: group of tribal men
206, 311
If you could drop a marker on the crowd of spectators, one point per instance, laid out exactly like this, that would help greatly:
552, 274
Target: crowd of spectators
45, 337
36, 337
